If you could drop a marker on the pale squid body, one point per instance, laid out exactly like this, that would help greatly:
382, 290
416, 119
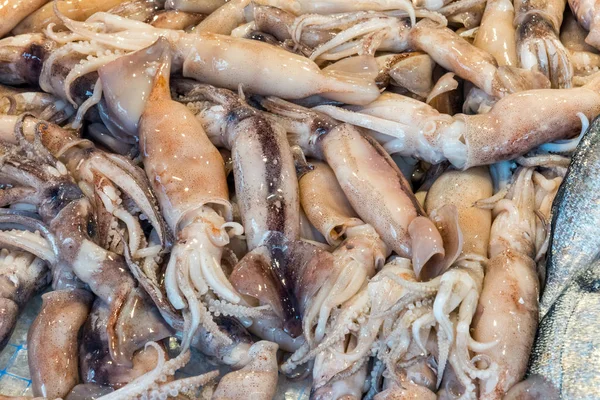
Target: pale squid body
78, 10
460, 286
379, 193
188, 176
538, 44
412, 391
325, 204
496, 34
224, 19
342, 6
508, 306
196, 6
195, 54
588, 15
257, 380
355, 259
231, 14
503, 133
176, 20
411, 70
52, 337
13, 12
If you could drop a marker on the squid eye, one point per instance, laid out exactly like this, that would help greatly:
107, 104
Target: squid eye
91, 227
321, 131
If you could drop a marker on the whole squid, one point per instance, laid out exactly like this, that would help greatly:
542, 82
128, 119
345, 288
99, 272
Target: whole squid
190, 49
187, 174
508, 305
416, 129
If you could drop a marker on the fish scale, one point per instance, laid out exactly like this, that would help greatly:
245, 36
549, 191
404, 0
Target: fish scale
567, 349
575, 235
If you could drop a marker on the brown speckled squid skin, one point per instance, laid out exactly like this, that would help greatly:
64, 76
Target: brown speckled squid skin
463, 189
52, 342
185, 174
95, 363
378, 192
257, 380
506, 131
265, 180
508, 308
9, 312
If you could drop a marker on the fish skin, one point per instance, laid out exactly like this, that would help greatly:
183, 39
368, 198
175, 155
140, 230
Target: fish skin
575, 235
567, 349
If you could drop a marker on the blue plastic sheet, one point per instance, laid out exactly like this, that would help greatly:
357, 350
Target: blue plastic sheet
14, 370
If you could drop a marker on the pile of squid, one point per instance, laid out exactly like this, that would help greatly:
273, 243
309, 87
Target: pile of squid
355, 193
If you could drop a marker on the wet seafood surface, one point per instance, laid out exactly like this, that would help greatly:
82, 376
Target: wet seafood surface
277, 199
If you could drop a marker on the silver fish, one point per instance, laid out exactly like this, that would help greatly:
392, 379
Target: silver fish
567, 349
575, 235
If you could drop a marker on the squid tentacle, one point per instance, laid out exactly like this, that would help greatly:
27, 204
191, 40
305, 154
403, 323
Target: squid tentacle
221, 307
149, 384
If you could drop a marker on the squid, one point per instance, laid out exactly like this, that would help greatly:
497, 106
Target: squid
496, 35
188, 51
22, 275
380, 32
49, 345
95, 362
42, 105
78, 10
538, 43
191, 188
361, 317
257, 380
55, 331
461, 286
341, 6
585, 58
157, 383
414, 128
508, 305
121, 196
349, 387
411, 70
197, 6
236, 354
